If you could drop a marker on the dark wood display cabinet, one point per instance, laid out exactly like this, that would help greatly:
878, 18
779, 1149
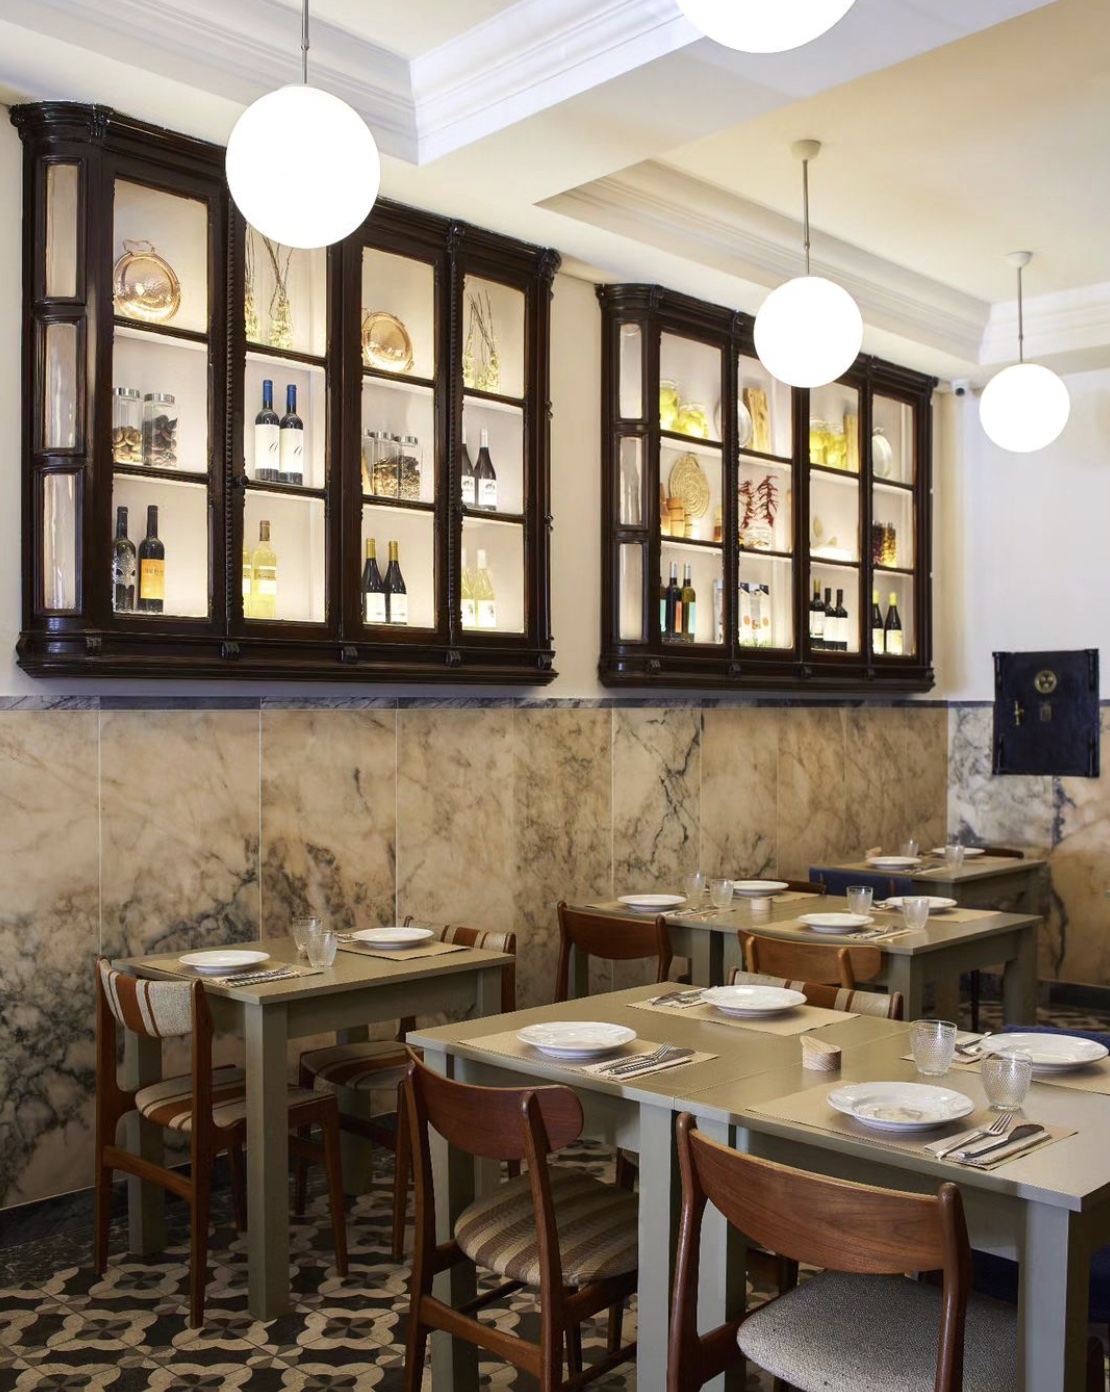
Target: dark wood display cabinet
153, 320
766, 494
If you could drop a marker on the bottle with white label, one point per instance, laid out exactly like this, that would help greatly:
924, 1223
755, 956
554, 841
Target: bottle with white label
878, 639
485, 477
892, 631
291, 441
267, 429
469, 603
689, 606
396, 596
373, 586
263, 576
467, 483
718, 611
485, 600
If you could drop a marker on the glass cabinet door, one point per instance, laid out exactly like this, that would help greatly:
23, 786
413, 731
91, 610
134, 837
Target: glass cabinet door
893, 526
835, 518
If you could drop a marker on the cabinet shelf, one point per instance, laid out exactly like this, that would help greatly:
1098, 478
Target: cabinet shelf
133, 328
755, 551
766, 461
511, 519
689, 544
841, 477
399, 504
400, 381
187, 478
264, 353
693, 444
283, 490
493, 401
891, 486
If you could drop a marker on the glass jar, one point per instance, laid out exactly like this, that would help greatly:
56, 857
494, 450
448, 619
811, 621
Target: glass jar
127, 425
668, 404
159, 431
692, 420
818, 441
376, 445
386, 464
408, 469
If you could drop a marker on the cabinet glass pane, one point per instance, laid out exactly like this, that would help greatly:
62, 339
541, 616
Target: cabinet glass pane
764, 410
493, 343
689, 387
61, 230
834, 517
504, 427
690, 492
58, 592
285, 296
892, 440
402, 466
765, 602
178, 433
631, 598
632, 372
58, 421
832, 579
161, 257
631, 482
764, 506
834, 427
312, 407
398, 314
707, 578
503, 545
297, 539
897, 589
183, 531
892, 531
414, 533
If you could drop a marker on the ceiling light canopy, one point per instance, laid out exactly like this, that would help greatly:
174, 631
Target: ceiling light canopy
809, 331
764, 26
302, 165
1026, 406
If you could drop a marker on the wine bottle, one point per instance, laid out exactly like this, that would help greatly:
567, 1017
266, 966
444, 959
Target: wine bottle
816, 618
267, 432
469, 603
830, 643
485, 601
123, 567
373, 587
485, 477
892, 631
291, 441
841, 623
396, 596
263, 576
878, 641
248, 598
689, 607
672, 607
152, 567
718, 611
466, 475
662, 606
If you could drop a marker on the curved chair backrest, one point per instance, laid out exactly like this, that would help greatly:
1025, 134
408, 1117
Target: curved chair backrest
837, 881
155, 1009
611, 938
887, 1007
841, 966
485, 938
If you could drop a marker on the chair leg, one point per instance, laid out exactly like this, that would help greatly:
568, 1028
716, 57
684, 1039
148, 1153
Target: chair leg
198, 1254
616, 1326
333, 1164
416, 1348
238, 1187
402, 1164
973, 990
574, 1349
103, 1218
300, 1176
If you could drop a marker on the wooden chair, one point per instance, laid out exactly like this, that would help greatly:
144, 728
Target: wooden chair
379, 1064
1007, 852
885, 886
613, 939
887, 1007
859, 1323
556, 1230
800, 886
841, 966
209, 1106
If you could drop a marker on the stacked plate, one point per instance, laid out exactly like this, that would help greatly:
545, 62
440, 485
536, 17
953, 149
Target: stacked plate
969, 851
757, 889
576, 1039
835, 922
937, 904
392, 937
894, 862
224, 959
754, 1001
900, 1106
1051, 1053
651, 903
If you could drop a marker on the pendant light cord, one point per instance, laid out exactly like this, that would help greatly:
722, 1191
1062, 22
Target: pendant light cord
1021, 318
805, 204
304, 42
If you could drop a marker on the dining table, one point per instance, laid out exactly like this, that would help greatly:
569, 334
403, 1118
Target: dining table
357, 990
982, 881
960, 940
1049, 1207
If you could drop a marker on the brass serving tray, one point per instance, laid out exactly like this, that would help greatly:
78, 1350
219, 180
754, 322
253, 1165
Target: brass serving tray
386, 344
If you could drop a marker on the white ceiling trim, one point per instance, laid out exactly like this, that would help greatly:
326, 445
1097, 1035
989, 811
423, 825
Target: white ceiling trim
658, 205
1073, 321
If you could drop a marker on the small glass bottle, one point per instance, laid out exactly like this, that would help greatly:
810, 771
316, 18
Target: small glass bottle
159, 431
127, 425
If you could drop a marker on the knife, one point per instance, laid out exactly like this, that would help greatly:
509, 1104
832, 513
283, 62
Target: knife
1026, 1130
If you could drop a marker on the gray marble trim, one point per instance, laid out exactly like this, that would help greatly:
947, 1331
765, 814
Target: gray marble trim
41, 703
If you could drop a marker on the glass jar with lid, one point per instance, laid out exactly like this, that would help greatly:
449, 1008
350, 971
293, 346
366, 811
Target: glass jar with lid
408, 469
127, 425
376, 446
159, 431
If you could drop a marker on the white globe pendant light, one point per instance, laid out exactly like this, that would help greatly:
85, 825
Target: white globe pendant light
1026, 406
809, 331
764, 26
328, 146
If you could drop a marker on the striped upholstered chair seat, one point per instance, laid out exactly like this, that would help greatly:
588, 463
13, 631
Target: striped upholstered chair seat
170, 1101
887, 1007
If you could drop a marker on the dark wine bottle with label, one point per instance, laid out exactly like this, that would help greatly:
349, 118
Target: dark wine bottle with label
892, 632
816, 618
291, 441
689, 607
830, 621
841, 623
373, 587
123, 567
267, 433
152, 568
878, 640
396, 596
672, 606
467, 484
485, 477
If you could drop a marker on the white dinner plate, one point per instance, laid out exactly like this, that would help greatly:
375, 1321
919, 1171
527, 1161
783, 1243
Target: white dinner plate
900, 1106
576, 1039
968, 851
881, 862
653, 903
223, 959
1051, 1053
392, 937
757, 889
835, 922
752, 1000
937, 904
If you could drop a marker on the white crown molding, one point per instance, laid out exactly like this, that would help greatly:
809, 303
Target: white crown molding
663, 207
1067, 323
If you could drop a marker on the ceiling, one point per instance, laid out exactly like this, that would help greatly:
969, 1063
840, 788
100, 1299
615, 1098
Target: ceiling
952, 133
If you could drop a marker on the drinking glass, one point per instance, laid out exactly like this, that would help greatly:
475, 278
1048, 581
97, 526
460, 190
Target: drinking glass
915, 911
953, 855
303, 928
1006, 1078
859, 899
695, 885
933, 1043
720, 891
910, 847
322, 946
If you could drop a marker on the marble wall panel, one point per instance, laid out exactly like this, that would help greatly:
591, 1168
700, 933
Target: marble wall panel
49, 938
895, 777
329, 817
739, 790
811, 797
179, 797
1009, 809
562, 786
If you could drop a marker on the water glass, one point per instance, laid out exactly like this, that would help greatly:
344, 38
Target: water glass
322, 947
859, 899
720, 891
933, 1043
915, 911
910, 847
303, 928
953, 855
1006, 1078
695, 886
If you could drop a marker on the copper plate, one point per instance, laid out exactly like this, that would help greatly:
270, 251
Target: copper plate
144, 285
385, 342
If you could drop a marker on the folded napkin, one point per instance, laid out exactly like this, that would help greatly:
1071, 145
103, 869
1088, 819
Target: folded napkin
262, 978
677, 1000
603, 1070
988, 1151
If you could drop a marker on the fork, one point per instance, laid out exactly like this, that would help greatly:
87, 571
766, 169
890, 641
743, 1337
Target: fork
998, 1127
631, 1065
974, 1047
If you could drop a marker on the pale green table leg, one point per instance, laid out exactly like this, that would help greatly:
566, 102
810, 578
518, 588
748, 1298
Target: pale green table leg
265, 1035
1019, 980
1052, 1301
905, 974
658, 1236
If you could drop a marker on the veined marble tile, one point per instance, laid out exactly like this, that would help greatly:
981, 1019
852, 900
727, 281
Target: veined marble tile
811, 815
1008, 809
562, 784
924, 761
49, 938
739, 790
329, 817
1076, 946
179, 797
896, 771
